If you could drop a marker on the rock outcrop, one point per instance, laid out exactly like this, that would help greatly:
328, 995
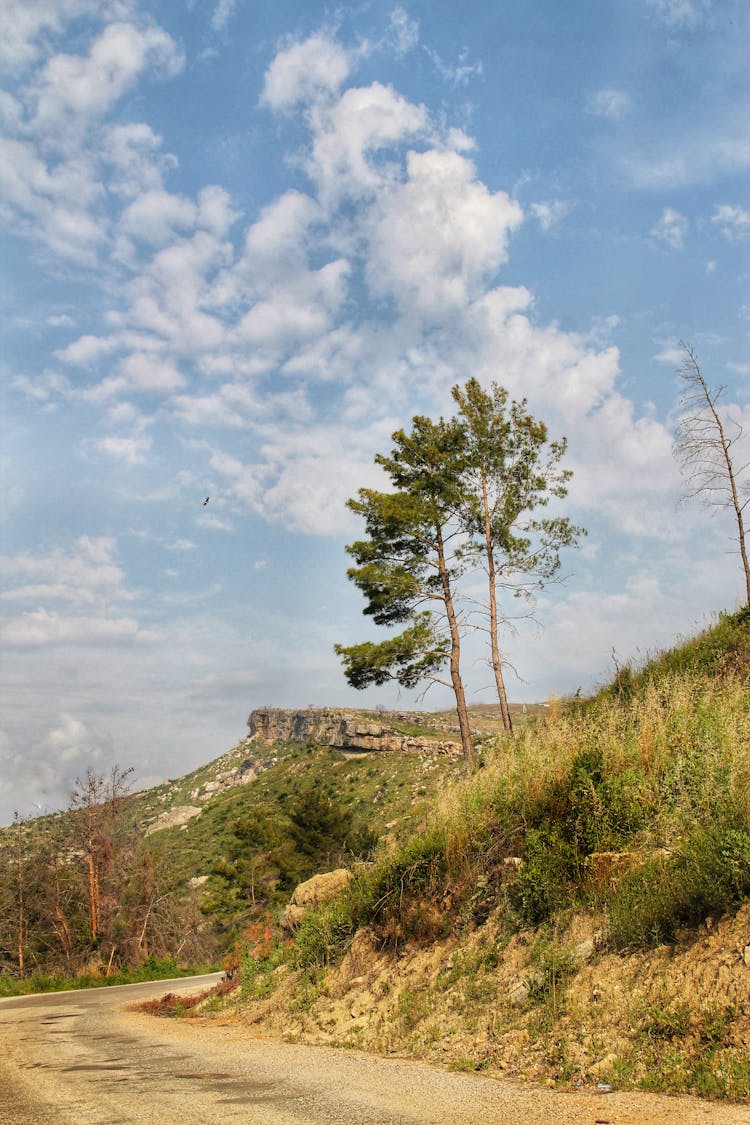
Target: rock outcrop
173, 818
313, 892
344, 730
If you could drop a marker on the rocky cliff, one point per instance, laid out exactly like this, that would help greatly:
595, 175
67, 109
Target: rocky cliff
345, 730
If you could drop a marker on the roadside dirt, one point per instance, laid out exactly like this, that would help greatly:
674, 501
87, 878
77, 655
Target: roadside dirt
554, 1010
79, 1058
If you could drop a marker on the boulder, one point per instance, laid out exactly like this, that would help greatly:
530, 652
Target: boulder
314, 892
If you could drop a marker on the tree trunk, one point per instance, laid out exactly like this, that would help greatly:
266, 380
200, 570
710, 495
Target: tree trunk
93, 875
20, 896
60, 923
736, 504
497, 666
455, 663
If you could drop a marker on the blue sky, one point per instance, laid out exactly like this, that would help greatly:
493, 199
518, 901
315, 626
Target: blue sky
243, 242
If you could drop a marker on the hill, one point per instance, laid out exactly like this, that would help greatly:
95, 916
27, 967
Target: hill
577, 911
177, 871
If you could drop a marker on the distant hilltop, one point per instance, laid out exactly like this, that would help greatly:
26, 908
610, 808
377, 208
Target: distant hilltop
353, 731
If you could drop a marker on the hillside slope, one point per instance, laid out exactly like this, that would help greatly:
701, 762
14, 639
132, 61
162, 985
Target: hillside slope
176, 871
577, 911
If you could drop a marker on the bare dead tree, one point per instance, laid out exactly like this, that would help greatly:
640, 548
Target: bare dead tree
707, 442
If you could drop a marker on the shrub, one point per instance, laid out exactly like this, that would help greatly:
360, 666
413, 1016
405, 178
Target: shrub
709, 877
544, 883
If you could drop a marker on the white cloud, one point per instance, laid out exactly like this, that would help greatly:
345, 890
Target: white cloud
732, 220
550, 213
459, 73
132, 155
131, 450
671, 229
439, 235
155, 216
222, 14
87, 350
697, 158
349, 134
305, 72
71, 739
681, 13
611, 103
76, 591
42, 628
74, 89
57, 204
402, 34
85, 574
27, 25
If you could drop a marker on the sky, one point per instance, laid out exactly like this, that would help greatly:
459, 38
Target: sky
243, 242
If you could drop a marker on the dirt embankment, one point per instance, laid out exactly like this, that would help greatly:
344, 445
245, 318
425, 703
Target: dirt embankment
551, 1007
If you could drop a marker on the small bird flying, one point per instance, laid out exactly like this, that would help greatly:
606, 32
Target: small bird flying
206, 501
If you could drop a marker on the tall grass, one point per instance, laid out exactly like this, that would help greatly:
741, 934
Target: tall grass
657, 767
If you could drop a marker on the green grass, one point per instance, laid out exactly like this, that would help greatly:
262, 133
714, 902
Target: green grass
57, 982
661, 772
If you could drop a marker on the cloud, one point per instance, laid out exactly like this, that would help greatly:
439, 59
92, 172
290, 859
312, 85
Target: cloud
72, 90
681, 13
71, 740
611, 103
87, 350
131, 450
732, 220
42, 628
550, 213
305, 72
402, 34
57, 204
297, 348
671, 352
155, 216
75, 591
132, 158
439, 235
222, 14
87, 573
459, 73
671, 229
699, 158
350, 133
26, 26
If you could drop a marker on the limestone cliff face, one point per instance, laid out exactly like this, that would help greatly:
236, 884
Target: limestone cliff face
345, 730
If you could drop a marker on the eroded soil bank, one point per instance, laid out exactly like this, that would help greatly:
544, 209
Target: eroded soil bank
546, 1006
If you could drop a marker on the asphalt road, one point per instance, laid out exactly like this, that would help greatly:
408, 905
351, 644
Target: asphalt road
77, 1057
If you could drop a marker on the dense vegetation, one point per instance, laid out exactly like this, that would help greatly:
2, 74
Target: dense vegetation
657, 767
88, 894
625, 817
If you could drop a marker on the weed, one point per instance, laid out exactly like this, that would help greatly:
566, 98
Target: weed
666, 1023
413, 1006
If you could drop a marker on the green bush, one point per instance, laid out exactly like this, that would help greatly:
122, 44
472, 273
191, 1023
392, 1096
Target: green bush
544, 883
707, 878
323, 934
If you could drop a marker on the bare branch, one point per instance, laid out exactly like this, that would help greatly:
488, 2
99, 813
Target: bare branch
703, 442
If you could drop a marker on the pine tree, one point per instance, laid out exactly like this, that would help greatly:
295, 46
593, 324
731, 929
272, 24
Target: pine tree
511, 469
408, 564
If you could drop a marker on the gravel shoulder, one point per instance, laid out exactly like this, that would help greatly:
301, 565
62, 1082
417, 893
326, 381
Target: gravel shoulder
76, 1058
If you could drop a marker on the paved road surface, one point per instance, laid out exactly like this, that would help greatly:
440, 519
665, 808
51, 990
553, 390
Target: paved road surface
78, 1057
